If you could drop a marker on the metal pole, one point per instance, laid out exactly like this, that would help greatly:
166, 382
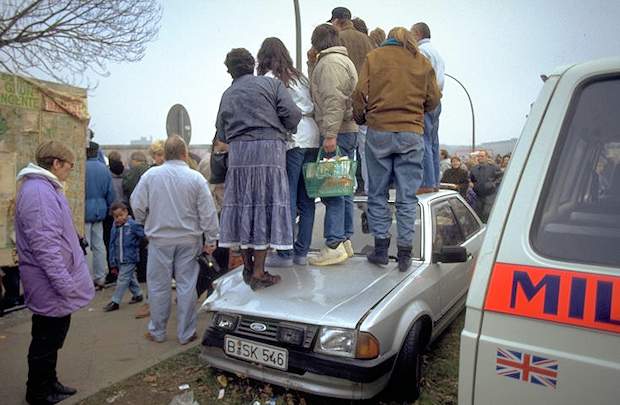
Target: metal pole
297, 35
473, 118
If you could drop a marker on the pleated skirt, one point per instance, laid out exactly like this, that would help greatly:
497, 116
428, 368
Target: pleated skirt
256, 211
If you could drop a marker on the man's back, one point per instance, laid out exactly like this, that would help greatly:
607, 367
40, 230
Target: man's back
99, 193
358, 45
173, 202
433, 56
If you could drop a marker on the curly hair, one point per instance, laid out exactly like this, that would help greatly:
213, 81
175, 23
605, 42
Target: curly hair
239, 62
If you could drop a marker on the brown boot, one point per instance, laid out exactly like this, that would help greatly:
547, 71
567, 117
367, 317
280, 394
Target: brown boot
144, 311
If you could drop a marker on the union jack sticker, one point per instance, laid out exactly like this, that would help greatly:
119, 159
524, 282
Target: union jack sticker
527, 367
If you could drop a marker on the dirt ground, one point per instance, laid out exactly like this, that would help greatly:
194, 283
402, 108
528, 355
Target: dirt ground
160, 384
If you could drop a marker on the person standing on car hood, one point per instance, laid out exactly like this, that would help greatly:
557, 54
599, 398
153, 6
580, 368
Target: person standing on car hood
54, 273
396, 87
331, 84
255, 115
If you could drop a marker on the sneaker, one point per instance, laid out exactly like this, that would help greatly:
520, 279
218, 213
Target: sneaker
300, 260
112, 306
275, 260
348, 247
329, 256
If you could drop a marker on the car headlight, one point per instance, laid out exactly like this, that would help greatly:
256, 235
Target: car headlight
347, 343
225, 322
336, 341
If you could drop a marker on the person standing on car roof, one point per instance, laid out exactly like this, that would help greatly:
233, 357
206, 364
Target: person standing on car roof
274, 61
486, 177
396, 87
430, 181
332, 83
256, 113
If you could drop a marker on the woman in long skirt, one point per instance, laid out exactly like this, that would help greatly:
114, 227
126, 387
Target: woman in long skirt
255, 117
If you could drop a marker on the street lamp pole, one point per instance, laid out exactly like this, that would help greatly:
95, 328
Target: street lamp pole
297, 35
473, 118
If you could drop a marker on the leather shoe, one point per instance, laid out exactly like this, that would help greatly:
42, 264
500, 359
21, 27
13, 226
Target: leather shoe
112, 306
135, 300
52, 398
63, 389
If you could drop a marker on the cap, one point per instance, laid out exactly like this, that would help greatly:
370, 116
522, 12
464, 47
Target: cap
342, 13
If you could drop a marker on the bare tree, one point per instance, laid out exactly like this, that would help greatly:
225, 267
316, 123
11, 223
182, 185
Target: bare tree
66, 38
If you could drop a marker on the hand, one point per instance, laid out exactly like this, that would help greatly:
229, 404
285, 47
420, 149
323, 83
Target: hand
329, 145
209, 248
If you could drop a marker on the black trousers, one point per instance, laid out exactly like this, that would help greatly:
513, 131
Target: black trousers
48, 336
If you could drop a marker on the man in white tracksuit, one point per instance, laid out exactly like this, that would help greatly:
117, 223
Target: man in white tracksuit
176, 207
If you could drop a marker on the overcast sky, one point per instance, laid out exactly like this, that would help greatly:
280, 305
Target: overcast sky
498, 49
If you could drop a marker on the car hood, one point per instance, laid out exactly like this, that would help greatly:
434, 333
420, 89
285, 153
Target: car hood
337, 295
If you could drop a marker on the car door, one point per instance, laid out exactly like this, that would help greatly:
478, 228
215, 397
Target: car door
472, 229
447, 232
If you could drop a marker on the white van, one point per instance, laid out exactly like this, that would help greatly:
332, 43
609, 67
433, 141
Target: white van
543, 310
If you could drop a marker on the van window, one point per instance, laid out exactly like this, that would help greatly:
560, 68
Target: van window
578, 215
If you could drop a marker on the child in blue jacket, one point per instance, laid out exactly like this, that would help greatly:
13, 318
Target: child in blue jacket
124, 256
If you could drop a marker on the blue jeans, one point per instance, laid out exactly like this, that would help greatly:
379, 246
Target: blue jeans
338, 225
398, 156
126, 279
431, 148
295, 160
93, 231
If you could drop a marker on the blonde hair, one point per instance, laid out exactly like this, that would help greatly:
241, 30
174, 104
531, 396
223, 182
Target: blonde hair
156, 148
405, 37
377, 35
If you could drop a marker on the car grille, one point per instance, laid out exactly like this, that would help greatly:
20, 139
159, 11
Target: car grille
271, 332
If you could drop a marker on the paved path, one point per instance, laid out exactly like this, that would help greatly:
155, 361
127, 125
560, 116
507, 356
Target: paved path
101, 349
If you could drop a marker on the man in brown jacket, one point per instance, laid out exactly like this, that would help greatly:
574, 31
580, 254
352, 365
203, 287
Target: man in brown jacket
396, 86
331, 83
357, 43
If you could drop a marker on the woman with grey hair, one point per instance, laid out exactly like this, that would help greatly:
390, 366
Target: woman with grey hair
255, 116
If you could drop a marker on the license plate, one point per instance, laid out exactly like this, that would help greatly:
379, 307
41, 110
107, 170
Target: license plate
256, 352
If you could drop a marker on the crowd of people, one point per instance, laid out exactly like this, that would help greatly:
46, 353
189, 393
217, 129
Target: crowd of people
369, 96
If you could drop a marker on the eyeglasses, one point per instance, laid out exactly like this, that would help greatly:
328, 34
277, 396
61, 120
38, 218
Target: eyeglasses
71, 164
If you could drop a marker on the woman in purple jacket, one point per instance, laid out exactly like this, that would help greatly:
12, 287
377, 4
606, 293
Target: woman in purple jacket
51, 262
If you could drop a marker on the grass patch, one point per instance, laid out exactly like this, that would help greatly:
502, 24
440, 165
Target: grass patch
160, 383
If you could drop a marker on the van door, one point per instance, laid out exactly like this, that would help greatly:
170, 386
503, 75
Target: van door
551, 325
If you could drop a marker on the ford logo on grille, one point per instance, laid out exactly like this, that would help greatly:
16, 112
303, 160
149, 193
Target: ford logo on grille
258, 327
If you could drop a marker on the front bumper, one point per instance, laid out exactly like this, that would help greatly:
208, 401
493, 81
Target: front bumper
308, 371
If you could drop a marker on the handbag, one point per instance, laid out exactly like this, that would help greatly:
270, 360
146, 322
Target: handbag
331, 178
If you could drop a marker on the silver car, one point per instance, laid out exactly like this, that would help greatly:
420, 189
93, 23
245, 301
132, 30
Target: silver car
349, 330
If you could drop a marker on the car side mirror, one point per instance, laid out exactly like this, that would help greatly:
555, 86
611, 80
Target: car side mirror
450, 254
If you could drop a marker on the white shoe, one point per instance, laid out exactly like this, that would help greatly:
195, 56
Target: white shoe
329, 256
348, 247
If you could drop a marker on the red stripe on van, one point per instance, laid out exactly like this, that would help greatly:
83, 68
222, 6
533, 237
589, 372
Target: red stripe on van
580, 299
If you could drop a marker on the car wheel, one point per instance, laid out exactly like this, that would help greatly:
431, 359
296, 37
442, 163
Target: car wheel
405, 379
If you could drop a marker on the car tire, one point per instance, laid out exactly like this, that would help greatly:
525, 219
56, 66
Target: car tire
406, 375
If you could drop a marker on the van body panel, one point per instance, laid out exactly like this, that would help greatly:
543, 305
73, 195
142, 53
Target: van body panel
546, 330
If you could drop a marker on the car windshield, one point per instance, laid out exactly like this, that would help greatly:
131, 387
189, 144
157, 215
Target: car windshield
362, 239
